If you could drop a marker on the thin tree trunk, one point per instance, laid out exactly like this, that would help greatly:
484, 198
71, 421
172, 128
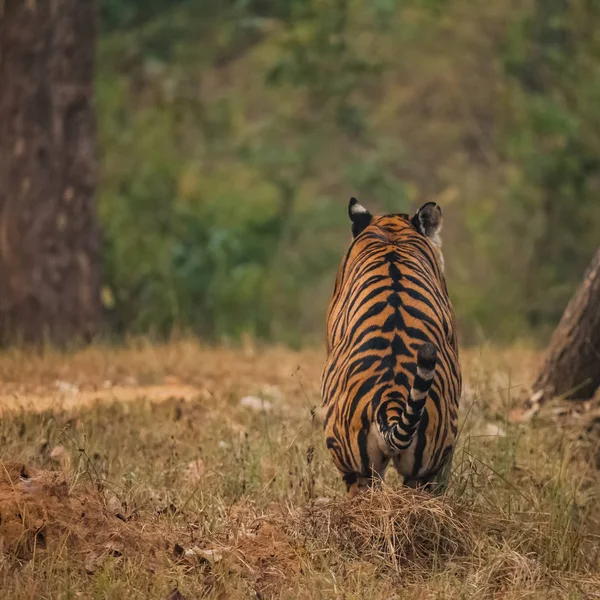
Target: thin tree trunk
572, 365
49, 240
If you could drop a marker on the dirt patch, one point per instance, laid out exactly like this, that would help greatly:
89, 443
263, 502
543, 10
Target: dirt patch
39, 512
266, 557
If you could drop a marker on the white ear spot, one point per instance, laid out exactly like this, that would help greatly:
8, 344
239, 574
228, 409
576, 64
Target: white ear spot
358, 209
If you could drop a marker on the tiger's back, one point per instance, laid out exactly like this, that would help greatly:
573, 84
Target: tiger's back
391, 382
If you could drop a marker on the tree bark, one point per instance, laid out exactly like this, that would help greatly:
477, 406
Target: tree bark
572, 364
49, 239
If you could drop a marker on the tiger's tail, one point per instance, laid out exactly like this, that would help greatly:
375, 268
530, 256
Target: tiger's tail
397, 422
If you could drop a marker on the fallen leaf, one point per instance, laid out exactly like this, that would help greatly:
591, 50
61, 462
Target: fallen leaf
114, 549
64, 387
494, 430
212, 556
322, 501
256, 403
58, 453
113, 503
195, 470
93, 562
175, 594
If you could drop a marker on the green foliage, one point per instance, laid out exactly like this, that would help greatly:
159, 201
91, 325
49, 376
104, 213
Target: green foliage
118, 14
233, 133
207, 227
548, 65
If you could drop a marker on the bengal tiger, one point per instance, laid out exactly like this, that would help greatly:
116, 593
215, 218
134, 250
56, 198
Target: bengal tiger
392, 380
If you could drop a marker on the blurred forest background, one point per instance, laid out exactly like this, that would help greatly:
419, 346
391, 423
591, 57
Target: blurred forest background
233, 132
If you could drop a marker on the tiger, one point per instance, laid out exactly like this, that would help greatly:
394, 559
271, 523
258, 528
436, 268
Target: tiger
392, 379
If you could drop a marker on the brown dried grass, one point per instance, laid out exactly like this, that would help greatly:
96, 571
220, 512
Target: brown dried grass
221, 501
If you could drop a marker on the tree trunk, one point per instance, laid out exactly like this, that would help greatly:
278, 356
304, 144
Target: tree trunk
572, 365
49, 240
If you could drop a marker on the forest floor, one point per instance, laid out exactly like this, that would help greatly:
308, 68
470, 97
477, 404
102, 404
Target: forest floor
180, 471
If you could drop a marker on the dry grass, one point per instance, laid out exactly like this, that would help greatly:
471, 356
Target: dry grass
139, 472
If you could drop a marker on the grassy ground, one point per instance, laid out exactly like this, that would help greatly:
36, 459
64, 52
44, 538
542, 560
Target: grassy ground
180, 471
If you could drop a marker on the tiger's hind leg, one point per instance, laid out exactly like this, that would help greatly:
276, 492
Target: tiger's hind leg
356, 483
442, 477
352, 485
436, 482
362, 484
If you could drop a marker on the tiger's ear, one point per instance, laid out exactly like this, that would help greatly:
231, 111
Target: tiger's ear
359, 216
428, 221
